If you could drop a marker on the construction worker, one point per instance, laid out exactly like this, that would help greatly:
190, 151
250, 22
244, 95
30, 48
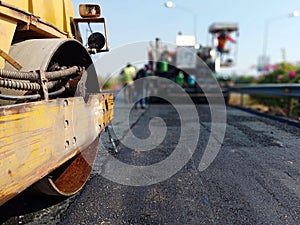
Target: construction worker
141, 86
223, 37
127, 76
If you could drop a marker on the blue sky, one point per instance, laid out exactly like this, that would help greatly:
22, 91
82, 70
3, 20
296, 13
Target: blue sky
133, 21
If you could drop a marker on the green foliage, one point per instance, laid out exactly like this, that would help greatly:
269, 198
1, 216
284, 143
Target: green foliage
243, 80
281, 73
108, 83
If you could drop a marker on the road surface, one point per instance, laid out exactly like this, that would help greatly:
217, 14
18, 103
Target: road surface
254, 178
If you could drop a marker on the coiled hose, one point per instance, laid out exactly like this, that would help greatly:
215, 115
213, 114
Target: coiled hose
34, 76
20, 81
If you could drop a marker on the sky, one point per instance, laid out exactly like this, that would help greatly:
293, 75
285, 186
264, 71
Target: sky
134, 21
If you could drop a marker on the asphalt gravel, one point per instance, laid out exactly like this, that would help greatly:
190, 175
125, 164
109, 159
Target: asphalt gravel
254, 179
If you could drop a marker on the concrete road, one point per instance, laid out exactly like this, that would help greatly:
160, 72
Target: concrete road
252, 174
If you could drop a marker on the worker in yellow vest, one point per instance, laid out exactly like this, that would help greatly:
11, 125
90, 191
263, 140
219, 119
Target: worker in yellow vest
127, 76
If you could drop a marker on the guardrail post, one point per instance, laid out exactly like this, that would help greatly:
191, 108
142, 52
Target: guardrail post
242, 99
290, 106
287, 91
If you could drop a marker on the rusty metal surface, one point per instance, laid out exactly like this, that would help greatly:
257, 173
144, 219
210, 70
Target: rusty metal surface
36, 138
70, 177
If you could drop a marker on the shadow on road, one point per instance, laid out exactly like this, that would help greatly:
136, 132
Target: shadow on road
26, 203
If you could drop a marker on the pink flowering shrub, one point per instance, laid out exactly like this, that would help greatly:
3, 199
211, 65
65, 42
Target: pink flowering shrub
279, 77
292, 74
281, 73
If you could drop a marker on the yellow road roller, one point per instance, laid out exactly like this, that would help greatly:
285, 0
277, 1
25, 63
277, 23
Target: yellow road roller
51, 108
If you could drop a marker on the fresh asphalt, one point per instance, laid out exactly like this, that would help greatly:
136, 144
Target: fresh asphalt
254, 179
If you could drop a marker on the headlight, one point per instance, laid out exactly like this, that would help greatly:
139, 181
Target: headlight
89, 10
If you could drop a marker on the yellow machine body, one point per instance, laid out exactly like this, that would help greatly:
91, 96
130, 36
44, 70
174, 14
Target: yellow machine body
47, 18
51, 141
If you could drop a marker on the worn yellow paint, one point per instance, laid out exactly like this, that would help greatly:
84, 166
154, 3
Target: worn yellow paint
7, 31
23, 136
34, 137
56, 12
23, 5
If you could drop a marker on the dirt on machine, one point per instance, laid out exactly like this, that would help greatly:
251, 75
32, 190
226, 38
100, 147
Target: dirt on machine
51, 108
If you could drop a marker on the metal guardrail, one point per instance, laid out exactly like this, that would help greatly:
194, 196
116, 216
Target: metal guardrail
289, 91
284, 90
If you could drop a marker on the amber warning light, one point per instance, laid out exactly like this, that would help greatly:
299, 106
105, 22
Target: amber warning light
89, 10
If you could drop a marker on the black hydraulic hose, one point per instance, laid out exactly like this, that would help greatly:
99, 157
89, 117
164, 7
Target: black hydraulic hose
31, 97
63, 73
58, 92
17, 98
52, 84
34, 76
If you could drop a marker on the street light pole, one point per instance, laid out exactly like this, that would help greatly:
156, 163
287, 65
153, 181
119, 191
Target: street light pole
295, 13
171, 4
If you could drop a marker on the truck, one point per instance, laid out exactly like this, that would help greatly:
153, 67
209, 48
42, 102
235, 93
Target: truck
51, 108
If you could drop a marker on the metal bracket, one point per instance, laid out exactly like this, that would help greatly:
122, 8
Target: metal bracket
111, 139
75, 26
10, 60
44, 85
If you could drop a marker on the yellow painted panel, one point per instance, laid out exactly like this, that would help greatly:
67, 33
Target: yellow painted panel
33, 137
7, 30
69, 12
56, 12
20, 4
50, 11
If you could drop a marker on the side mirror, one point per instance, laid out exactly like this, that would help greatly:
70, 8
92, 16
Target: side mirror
90, 13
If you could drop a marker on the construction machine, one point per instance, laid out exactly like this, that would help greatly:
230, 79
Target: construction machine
227, 56
51, 108
185, 65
